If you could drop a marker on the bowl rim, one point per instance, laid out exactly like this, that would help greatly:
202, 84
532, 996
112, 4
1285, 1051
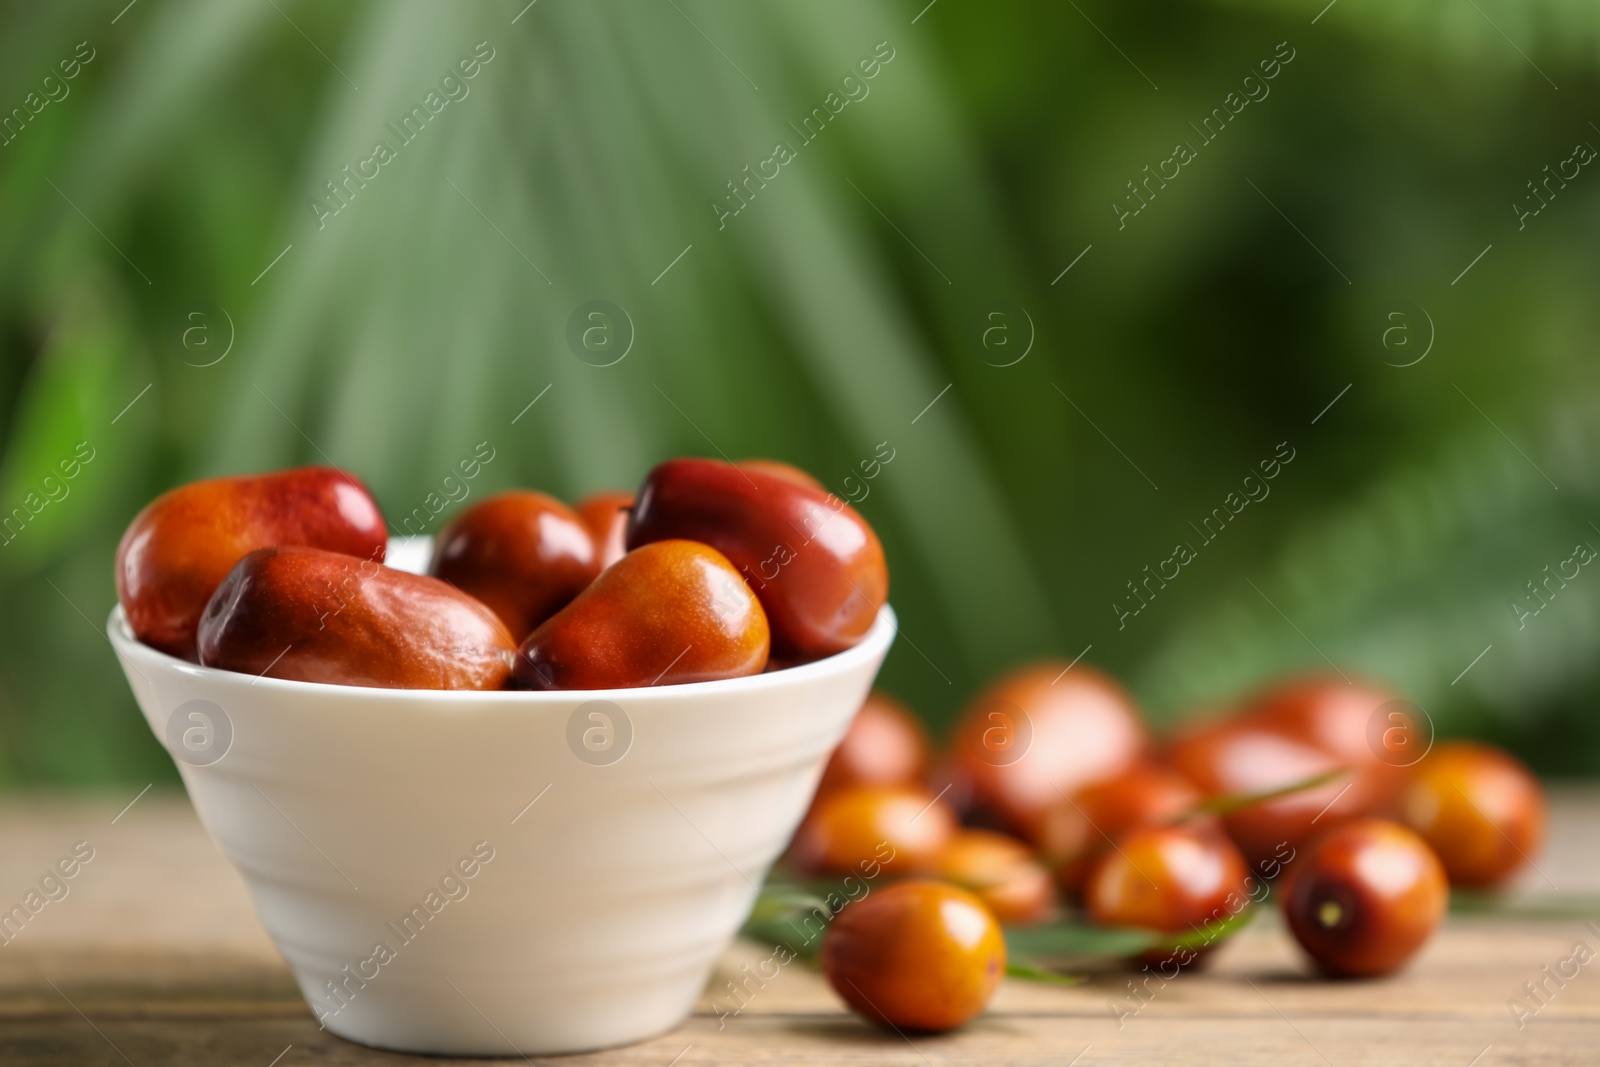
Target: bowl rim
873, 645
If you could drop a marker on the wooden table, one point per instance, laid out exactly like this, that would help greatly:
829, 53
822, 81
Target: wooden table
154, 957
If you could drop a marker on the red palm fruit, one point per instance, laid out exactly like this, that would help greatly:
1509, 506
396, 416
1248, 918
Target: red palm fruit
1367, 728
901, 827
1174, 879
524, 554
1000, 871
814, 563
1480, 809
1039, 734
885, 745
1234, 757
1365, 897
178, 549
1074, 832
316, 616
669, 613
918, 956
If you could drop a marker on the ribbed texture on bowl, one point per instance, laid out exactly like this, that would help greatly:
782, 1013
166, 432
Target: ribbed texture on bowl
606, 902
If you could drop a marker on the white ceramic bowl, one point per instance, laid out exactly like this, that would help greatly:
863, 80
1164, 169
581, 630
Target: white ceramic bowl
627, 832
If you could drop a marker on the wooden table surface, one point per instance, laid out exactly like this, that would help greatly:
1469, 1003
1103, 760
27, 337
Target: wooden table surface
155, 957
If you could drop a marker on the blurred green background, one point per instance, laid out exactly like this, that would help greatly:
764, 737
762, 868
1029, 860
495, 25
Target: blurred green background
174, 306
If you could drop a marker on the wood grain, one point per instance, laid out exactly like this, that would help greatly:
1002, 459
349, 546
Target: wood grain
155, 957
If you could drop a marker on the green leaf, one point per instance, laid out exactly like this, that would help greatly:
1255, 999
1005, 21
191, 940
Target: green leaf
1033, 972
1487, 902
780, 916
1081, 940
1228, 803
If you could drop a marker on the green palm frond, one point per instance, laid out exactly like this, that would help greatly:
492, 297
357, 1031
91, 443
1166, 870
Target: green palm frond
1478, 551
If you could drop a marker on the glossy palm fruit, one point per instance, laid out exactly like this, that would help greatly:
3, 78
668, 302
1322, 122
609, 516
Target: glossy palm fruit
904, 828
1038, 735
1480, 810
814, 563
179, 548
1234, 757
316, 616
606, 516
1364, 897
918, 956
1168, 878
1000, 871
885, 745
1074, 832
787, 471
524, 554
1352, 721
668, 613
